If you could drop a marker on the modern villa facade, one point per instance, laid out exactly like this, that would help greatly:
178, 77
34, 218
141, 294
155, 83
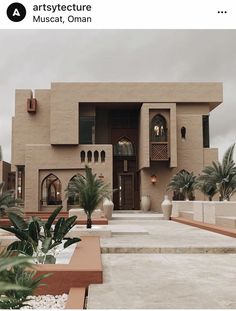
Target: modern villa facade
134, 136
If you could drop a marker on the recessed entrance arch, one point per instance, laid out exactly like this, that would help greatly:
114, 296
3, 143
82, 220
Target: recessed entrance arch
124, 137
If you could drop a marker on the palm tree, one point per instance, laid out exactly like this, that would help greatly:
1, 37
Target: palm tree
221, 176
89, 191
7, 199
0, 153
207, 188
183, 183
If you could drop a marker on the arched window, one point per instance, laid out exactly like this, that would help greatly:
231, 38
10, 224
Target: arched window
124, 147
89, 156
72, 200
183, 132
96, 155
82, 156
51, 190
158, 129
103, 156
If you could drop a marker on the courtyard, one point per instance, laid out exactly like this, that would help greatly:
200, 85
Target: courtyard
166, 265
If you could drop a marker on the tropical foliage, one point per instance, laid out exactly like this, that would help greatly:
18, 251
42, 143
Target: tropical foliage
183, 183
17, 281
89, 191
7, 200
220, 177
207, 188
38, 238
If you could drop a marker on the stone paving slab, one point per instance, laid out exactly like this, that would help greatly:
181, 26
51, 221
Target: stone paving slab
137, 216
167, 234
161, 281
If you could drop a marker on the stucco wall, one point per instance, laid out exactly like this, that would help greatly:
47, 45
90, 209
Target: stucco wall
66, 96
44, 141
30, 128
66, 161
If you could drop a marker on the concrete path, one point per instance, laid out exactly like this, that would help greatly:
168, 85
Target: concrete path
192, 269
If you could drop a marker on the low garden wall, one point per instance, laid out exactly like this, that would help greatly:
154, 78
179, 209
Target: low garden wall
204, 211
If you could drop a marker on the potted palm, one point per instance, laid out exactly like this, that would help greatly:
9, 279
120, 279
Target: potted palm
220, 177
183, 183
89, 190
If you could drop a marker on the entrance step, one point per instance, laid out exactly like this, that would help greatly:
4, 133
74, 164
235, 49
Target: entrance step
226, 221
136, 216
186, 214
127, 230
168, 250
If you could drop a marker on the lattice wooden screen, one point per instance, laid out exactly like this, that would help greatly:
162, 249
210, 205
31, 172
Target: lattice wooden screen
159, 152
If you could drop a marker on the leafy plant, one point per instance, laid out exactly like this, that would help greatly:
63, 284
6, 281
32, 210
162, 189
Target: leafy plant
207, 188
89, 191
38, 238
17, 281
7, 200
221, 176
183, 183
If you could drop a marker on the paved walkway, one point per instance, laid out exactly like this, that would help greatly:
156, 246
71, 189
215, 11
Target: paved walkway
166, 265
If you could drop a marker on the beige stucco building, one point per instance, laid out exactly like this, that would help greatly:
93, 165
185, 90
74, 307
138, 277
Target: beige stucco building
130, 134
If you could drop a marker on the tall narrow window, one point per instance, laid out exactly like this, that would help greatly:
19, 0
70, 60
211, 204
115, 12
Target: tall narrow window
20, 182
82, 156
89, 156
158, 129
205, 131
96, 155
183, 132
86, 130
103, 156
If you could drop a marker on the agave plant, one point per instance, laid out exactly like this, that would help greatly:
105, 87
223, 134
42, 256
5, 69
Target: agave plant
7, 200
183, 183
17, 281
221, 176
38, 238
89, 191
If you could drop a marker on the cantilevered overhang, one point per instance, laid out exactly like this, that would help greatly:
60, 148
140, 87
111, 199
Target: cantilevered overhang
65, 97
211, 93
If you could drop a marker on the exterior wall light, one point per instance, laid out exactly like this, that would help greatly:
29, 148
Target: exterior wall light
153, 179
101, 176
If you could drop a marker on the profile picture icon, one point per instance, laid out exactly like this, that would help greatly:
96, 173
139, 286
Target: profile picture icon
16, 12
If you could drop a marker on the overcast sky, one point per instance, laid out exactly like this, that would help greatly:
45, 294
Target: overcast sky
33, 59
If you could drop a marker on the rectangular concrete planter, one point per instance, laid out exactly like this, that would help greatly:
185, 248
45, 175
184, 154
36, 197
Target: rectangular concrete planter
204, 211
180, 206
85, 268
5, 222
76, 298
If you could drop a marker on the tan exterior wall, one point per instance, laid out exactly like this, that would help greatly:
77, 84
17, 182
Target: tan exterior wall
210, 155
5, 168
29, 128
66, 96
47, 141
66, 162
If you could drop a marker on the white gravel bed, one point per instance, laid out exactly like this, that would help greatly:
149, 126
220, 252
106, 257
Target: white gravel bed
47, 302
